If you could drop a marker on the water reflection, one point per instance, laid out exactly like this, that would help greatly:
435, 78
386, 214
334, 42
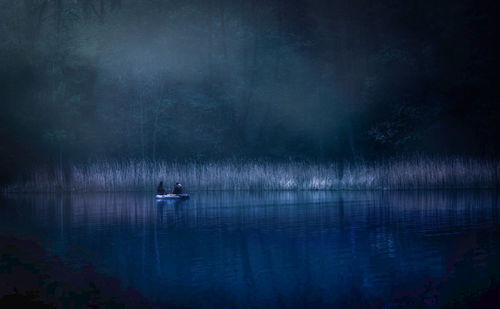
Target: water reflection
285, 249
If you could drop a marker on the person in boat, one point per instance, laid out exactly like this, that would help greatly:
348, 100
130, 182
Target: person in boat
160, 190
178, 189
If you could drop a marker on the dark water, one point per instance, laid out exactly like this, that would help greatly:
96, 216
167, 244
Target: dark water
275, 249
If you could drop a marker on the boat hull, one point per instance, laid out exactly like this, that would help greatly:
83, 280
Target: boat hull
172, 196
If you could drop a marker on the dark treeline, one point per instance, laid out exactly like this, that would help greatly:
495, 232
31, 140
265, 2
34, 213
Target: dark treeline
211, 79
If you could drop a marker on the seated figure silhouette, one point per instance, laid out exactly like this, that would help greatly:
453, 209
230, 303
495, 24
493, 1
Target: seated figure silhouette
178, 189
160, 190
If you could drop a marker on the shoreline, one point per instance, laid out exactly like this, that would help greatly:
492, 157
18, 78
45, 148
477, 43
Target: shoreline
447, 189
413, 173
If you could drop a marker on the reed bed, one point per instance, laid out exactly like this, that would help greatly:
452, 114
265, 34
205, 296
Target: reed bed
414, 173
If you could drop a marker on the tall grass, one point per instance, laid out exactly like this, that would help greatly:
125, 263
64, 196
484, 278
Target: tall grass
418, 172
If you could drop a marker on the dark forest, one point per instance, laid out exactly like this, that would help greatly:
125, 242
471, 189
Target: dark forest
218, 79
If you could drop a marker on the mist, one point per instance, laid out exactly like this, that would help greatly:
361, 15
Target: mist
273, 80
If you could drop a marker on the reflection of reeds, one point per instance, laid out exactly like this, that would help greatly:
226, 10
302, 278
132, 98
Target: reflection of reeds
418, 172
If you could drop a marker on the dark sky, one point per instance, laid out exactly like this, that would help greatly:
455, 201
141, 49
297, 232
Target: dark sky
219, 79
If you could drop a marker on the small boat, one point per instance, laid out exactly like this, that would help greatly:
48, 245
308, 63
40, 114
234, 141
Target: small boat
172, 196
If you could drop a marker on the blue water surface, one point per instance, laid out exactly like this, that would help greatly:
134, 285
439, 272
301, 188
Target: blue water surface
274, 249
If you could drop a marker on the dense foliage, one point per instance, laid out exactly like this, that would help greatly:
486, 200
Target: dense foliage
205, 79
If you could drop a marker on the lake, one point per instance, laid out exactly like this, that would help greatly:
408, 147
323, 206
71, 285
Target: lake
275, 249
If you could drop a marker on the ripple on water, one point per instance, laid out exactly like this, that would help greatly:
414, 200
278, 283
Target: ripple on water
257, 249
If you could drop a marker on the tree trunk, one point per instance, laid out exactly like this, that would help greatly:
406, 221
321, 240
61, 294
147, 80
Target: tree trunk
156, 117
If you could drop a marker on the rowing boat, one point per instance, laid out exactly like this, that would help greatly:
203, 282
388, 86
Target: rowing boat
171, 196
